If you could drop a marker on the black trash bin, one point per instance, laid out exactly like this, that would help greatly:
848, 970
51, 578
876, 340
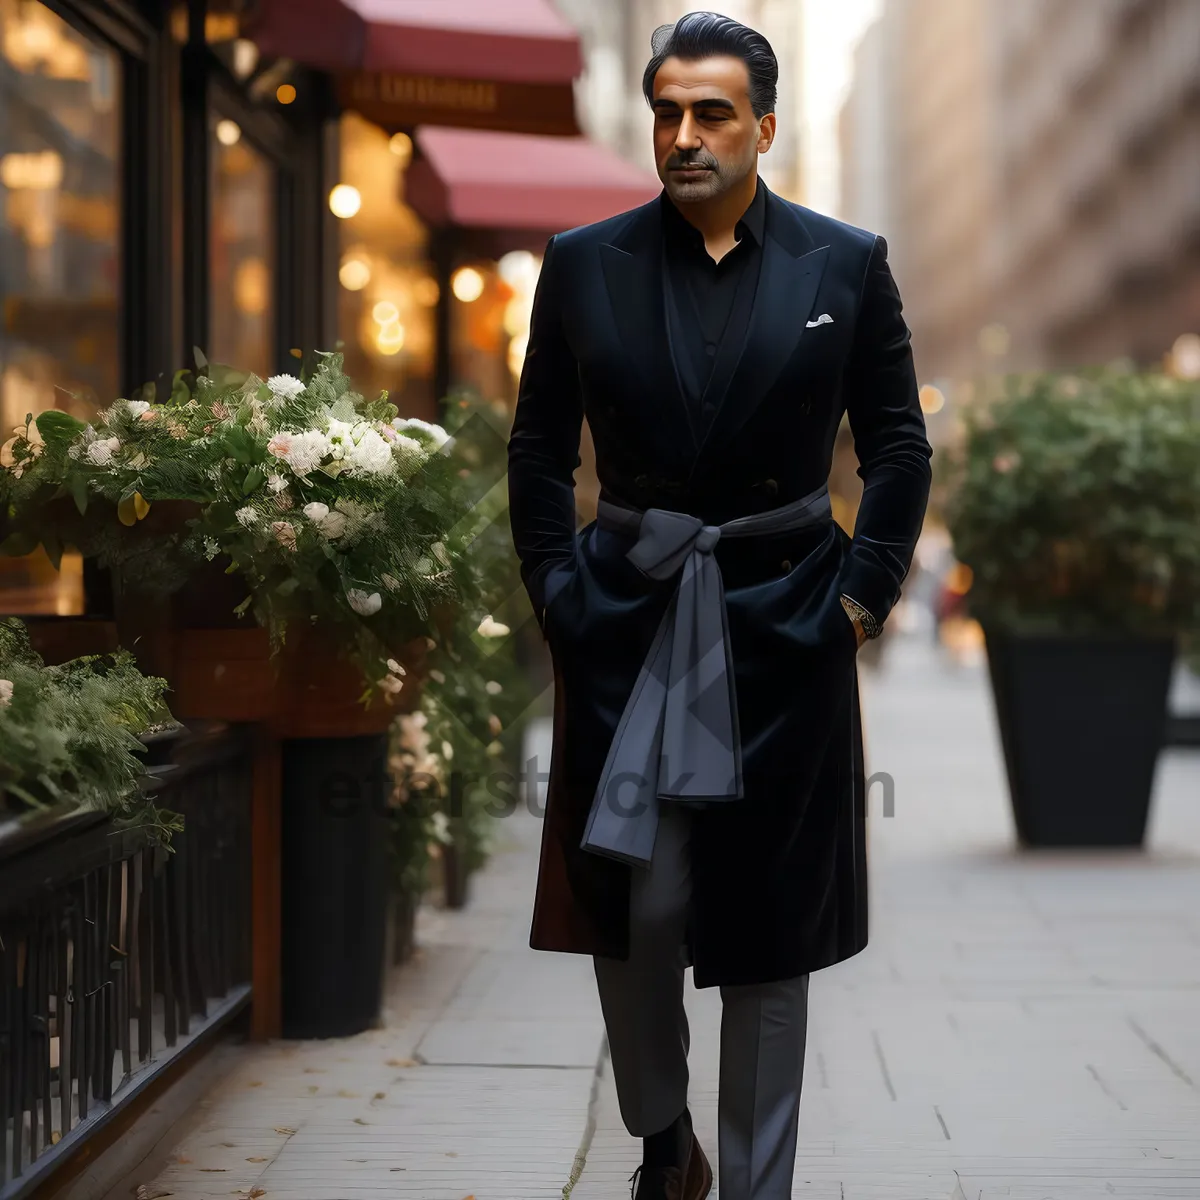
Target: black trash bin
334, 884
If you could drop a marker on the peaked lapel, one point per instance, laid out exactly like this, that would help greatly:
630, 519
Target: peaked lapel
791, 272
633, 269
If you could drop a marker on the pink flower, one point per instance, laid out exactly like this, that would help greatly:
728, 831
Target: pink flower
1003, 463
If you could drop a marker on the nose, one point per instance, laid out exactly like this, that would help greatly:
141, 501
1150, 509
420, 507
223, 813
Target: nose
688, 137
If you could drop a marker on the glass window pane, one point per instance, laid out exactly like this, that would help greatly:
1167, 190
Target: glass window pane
60, 248
242, 318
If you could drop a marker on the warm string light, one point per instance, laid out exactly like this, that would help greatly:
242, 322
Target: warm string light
467, 284
345, 201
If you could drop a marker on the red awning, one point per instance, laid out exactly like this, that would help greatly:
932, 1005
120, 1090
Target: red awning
522, 41
485, 180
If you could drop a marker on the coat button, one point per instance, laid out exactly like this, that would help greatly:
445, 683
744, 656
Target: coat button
786, 564
771, 486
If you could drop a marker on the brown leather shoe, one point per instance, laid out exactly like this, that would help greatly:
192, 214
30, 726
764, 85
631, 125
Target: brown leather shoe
692, 1181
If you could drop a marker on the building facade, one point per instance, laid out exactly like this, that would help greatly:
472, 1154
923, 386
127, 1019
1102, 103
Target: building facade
1098, 254
1036, 167
916, 166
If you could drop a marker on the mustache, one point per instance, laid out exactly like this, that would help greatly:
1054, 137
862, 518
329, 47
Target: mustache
699, 159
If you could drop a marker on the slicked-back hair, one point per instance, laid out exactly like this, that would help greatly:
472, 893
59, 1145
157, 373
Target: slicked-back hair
706, 34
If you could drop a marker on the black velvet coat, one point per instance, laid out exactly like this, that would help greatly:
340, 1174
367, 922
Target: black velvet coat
779, 877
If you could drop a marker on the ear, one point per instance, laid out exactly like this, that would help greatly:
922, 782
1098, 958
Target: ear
766, 132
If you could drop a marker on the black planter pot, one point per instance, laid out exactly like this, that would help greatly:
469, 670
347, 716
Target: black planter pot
1082, 721
335, 886
455, 876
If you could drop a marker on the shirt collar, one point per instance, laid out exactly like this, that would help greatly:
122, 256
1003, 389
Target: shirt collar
753, 221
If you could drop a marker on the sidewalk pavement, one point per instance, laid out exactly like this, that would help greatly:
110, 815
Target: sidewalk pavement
1021, 1026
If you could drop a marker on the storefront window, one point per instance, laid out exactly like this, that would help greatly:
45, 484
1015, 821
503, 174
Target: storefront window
59, 247
242, 317
386, 288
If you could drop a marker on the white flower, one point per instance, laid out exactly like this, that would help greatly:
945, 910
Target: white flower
371, 455
391, 684
316, 511
308, 449
276, 483
6, 692
301, 451
341, 439
101, 451
491, 628
285, 387
437, 676
137, 407
395, 667
447, 751
247, 516
434, 433
366, 605
492, 688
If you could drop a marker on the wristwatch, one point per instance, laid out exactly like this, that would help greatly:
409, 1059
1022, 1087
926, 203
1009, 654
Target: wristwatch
871, 627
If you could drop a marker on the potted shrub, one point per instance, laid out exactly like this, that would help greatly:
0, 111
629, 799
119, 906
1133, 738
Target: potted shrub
1074, 504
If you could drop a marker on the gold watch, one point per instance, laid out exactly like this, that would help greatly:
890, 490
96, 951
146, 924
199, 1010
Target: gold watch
871, 627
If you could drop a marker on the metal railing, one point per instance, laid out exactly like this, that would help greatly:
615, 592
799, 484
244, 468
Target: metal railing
116, 955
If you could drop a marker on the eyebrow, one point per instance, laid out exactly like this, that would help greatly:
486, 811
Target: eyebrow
707, 102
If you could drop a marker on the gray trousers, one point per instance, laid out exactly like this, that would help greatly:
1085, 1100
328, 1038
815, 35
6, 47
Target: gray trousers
762, 1033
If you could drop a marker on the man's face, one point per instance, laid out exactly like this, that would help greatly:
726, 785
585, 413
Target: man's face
706, 136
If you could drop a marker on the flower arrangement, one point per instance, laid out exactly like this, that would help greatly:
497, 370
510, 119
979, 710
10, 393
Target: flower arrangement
69, 733
332, 508
1073, 501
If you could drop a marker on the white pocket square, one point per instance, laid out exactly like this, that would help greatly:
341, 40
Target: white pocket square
823, 319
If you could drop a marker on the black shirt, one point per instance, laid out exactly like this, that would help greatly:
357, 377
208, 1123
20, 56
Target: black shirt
709, 303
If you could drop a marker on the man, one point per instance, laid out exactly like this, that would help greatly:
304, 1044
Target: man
705, 801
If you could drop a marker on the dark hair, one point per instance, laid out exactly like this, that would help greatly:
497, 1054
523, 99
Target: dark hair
705, 34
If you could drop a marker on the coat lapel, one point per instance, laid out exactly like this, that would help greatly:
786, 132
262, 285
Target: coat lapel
792, 267
633, 277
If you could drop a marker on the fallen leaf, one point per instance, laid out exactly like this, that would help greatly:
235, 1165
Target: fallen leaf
284, 1130
380, 1096
451, 1153
258, 1159
359, 1121
400, 1062
314, 1070
213, 1170
255, 1083
312, 1089
150, 1191
347, 1095
182, 1158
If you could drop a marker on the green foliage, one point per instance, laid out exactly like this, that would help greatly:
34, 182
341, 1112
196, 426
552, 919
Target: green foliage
457, 760
1075, 502
332, 509
68, 734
